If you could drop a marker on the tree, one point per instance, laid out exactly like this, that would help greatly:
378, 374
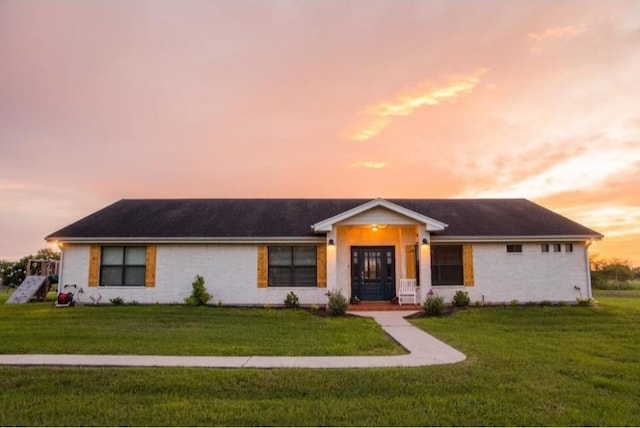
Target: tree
607, 272
13, 273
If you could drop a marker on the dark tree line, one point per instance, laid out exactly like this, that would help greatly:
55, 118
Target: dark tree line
612, 273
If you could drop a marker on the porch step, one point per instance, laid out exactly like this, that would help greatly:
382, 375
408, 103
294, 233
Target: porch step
382, 306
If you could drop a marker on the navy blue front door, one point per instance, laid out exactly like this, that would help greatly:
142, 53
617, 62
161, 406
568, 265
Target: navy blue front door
373, 273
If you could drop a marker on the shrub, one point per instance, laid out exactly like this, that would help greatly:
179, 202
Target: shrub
461, 299
117, 301
514, 302
434, 305
315, 307
292, 301
199, 295
337, 303
585, 301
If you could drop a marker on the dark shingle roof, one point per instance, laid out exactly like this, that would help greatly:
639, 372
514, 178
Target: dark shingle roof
246, 218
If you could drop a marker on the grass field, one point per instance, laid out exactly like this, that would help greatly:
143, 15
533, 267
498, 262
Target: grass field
185, 330
628, 289
526, 366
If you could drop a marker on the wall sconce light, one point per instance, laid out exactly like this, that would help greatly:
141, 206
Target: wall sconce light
374, 228
331, 242
424, 241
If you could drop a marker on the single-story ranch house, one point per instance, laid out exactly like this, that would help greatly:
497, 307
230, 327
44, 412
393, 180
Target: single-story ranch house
256, 251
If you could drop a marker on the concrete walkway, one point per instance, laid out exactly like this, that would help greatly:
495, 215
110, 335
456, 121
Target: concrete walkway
424, 350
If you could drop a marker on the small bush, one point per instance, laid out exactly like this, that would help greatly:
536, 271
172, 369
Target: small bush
315, 307
479, 303
461, 299
117, 301
337, 303
434, 305
585, 301
292, 301
514, 302
199, 295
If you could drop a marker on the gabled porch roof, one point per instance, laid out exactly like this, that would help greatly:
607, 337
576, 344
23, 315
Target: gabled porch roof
327, 225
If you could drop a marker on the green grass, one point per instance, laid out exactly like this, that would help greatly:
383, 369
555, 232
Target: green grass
39, 328
613, 285
526, 366
630, 289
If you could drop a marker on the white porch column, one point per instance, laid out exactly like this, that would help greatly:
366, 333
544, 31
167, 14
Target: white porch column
425, 265
332, 257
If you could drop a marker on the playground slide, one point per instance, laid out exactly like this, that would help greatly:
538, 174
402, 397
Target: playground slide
27, 289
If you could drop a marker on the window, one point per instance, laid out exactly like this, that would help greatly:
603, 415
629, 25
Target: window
123, 266
545, 248
446, 265
568, 248
557, 248
292, 266
514, 248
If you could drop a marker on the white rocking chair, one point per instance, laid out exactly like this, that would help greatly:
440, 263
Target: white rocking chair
408, 291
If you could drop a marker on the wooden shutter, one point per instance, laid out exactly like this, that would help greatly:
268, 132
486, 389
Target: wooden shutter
263, 266
94, 265
321, 266
150, 274
410, 261
467, 265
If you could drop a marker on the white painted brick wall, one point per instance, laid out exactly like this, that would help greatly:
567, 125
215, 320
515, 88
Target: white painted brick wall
229, 271
530, 276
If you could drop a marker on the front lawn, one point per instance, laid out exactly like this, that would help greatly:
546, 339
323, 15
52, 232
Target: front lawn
526, 366
39, 328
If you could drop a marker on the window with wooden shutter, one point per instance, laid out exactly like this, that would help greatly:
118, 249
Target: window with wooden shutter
321, 266
94, 265
150, 274
467, 265
123, 266
447, 265
292, 266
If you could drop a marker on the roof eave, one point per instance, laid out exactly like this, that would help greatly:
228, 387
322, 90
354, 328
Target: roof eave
516, 238
187, 240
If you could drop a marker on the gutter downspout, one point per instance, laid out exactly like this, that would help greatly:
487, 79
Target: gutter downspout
586, 259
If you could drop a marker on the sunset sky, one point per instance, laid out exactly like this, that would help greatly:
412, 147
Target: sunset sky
104, 100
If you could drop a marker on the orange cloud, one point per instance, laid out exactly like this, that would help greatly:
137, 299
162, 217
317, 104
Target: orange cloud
368, 164
379, 115
568, 31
